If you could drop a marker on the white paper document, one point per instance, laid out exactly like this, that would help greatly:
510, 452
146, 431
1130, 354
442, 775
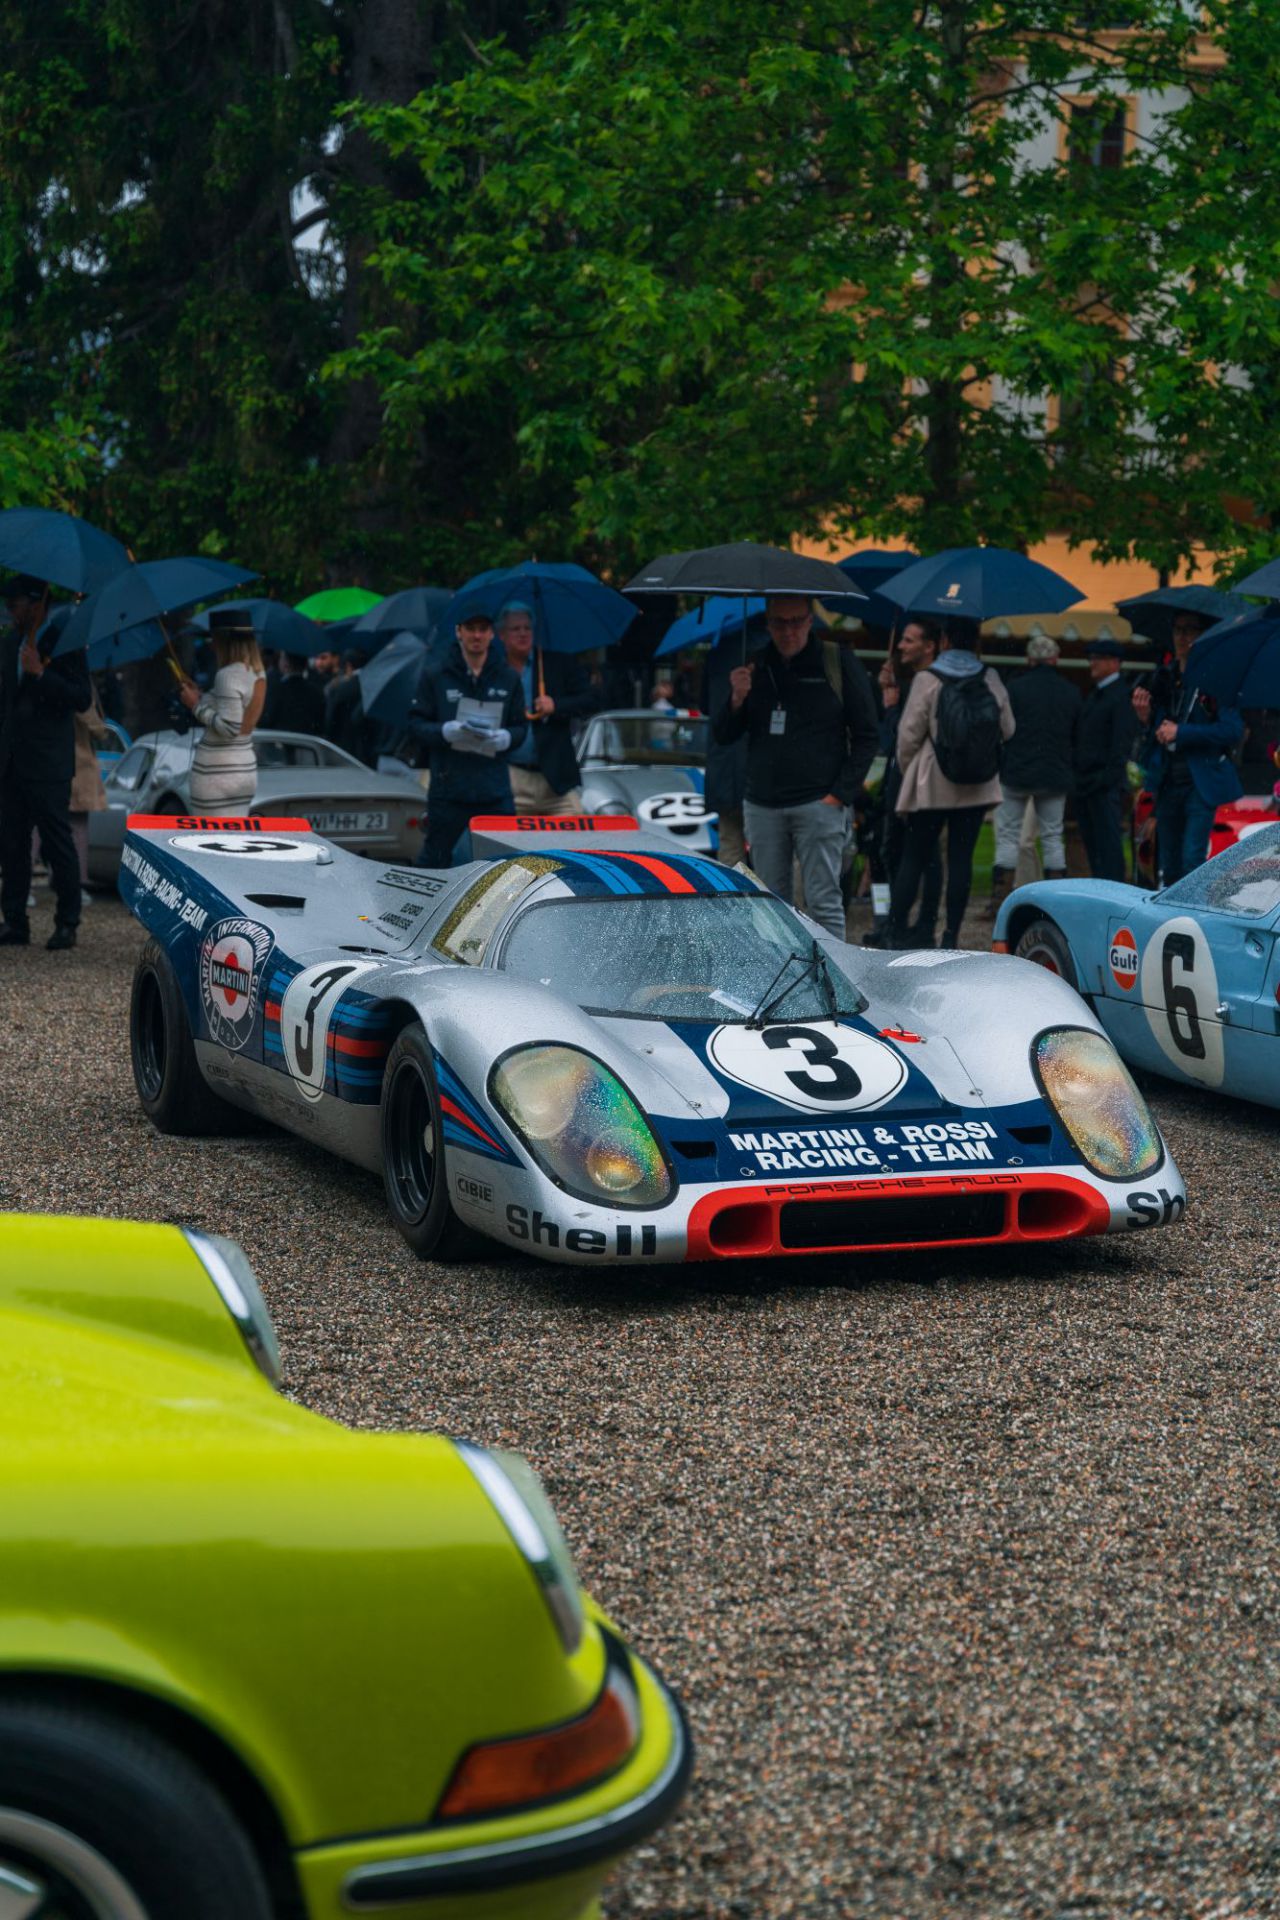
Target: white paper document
480, 720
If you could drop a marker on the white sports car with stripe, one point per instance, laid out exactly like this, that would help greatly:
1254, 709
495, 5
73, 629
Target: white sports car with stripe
586, 1046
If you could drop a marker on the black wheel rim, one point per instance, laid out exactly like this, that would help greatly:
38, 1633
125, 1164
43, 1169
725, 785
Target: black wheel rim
411, 1142
149, 1041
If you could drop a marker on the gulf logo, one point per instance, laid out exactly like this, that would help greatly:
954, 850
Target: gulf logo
1124, 960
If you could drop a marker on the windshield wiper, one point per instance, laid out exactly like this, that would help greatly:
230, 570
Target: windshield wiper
815, 965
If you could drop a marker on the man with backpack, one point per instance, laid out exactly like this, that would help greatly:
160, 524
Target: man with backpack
953, 727
806, 708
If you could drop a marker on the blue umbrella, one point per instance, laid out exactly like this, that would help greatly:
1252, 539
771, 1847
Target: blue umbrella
573, 611
869, 569
979, 583
413, 610
388, 683
1153, 613
59, 547
1238, 662
277, 626
1265, 580
718, 618
142, 595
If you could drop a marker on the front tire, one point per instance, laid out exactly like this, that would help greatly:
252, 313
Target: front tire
102, 1820
1045, 943
413, 1159
175, 1095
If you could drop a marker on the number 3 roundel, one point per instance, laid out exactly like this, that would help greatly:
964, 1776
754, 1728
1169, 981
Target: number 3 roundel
824, 1069
1180, 995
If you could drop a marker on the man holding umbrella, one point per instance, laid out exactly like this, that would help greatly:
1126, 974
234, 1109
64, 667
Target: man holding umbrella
1186, 755
545, 774
39, 699
469, 713
809, 718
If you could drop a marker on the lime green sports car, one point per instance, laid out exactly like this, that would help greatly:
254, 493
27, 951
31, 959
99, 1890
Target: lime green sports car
256, 1666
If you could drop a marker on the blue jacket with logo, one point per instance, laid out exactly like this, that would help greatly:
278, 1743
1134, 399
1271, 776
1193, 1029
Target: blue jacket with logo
1207, 733
441, 688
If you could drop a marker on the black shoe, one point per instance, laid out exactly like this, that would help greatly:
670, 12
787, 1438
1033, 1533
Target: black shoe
920, 936
14, 936
951, 938
876, 938
60, 939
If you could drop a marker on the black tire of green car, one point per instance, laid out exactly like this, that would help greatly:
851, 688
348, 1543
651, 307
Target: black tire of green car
175, 1095
88, 1801
1047, 946
413, 1164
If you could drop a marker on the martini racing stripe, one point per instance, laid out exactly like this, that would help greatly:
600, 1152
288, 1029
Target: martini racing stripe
641, 873
465, 1123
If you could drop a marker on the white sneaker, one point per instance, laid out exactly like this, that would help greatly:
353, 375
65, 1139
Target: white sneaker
31, 900
86, 898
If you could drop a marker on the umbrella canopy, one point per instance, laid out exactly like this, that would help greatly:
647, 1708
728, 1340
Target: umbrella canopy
141, 595
414, 610
979, 583
718, 618
59, 547
1238, 662
1153, 613
869, 569
573, 611
744, 568
276, 625
1263, 580
388, 684
337, 603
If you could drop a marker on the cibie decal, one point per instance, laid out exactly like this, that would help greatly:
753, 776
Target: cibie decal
232, 959
261, 846
306, 1012
1123, 958
820, 1068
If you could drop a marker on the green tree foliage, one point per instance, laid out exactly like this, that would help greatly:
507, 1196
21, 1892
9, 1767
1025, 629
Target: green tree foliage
620, 263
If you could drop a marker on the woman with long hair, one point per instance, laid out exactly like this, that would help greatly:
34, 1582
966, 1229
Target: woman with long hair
224, 772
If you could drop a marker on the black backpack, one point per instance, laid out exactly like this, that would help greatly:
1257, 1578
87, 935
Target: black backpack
966, 736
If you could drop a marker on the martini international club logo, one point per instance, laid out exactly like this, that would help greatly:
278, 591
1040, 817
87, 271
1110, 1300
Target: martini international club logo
232, 960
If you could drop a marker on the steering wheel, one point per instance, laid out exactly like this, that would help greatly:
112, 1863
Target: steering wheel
647, 995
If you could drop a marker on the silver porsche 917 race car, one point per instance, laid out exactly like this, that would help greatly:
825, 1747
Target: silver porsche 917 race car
375, 813
590, 1048
652, 766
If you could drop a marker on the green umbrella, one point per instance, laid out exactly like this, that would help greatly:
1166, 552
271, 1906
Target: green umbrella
338, 603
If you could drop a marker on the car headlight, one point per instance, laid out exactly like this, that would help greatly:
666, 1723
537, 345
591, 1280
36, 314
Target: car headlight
518, 1494
1089, 1088
581, 1126
227, 1265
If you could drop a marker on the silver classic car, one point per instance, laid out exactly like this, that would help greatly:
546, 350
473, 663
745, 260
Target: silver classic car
651, 765
298, 774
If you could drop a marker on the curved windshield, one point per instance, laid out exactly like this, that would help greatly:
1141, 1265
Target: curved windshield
1244, 879
645, 740
679, 957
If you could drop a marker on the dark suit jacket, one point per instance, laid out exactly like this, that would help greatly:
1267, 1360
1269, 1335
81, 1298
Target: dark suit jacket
1104, 738
37, 723
295, 704
566, 680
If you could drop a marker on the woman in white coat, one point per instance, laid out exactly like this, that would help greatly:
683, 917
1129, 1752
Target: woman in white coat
224, 772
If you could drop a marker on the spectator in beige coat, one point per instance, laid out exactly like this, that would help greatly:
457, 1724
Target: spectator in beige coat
88, 795
955, 721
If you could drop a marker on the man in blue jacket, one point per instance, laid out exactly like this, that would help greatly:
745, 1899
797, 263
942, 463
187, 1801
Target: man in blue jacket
469, 713
1186, 756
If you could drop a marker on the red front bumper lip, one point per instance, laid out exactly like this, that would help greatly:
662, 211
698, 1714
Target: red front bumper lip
1015, 1208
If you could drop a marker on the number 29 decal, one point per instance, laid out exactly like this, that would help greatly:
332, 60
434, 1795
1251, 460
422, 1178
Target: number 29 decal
826, 1069
1180, 995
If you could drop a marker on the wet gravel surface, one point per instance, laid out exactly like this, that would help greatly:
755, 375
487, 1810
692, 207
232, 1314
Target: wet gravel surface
966, 1569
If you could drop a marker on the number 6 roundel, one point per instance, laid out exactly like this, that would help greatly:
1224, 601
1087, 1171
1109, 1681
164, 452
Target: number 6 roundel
1180, 997
823, 1069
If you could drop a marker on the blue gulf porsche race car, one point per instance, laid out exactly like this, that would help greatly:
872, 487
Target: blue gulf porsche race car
1186, 981
593, 1049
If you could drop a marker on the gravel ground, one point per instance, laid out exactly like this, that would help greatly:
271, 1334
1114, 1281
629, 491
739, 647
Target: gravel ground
967, 1573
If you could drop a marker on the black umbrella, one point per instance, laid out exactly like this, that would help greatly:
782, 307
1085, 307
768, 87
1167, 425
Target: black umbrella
412, 610
275, 625
1153, 613
745, 569
59, 547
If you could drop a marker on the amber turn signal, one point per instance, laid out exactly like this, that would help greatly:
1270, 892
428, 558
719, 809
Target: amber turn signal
503, 1774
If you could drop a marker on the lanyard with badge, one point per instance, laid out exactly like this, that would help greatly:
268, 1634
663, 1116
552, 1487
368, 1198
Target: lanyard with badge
778, 717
